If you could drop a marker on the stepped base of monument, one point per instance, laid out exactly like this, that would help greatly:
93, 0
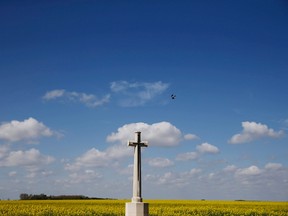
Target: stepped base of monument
137, 209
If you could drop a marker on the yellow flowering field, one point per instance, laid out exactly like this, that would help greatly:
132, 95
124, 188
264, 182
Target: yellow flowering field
156, 207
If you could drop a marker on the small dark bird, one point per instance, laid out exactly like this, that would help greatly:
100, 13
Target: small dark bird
173, 96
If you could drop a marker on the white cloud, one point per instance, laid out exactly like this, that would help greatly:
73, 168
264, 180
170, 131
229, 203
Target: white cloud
91, 158
254, 170
273, 166
30, 157
271, 179
129, 94
97, 158
88, 176
187, 156
194, 171
207, 148
3, 150
29, 129
251, 182
230, 168
158, 134
160, 162
190, 137
172, 179
161, 134
89, 100
249, 171
201, 149
118, 152
253, 131
138, 93
54, 94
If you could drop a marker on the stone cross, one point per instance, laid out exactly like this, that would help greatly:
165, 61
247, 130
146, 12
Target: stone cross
137, 196
137, 207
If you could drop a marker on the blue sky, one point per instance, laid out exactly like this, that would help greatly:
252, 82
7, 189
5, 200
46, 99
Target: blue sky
78, 78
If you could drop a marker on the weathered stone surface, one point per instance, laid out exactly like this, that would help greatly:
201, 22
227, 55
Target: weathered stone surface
137, 209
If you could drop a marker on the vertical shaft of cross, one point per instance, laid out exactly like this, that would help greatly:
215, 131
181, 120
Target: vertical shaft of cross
137, 196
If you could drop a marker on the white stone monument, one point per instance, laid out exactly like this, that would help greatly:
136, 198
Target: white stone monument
137, 207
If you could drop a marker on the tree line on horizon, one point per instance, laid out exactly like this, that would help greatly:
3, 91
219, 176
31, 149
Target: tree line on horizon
25, 196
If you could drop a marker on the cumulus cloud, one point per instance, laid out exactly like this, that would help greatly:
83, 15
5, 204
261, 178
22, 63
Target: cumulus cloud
254, 170
97, 158
137, 93
201, 149
30, 129
93, 156
3, 150
273, 166
207, 148
187, 156
87, 176
30, 157
230, 168
160, 162
167, 179
158, 134
173, 179
249, 171
89, 100
246, 182
273, 175
190, 137
253, 131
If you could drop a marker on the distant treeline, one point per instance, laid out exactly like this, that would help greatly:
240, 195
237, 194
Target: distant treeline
25, 196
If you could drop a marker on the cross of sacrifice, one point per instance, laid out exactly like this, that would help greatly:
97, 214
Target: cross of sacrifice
137, 196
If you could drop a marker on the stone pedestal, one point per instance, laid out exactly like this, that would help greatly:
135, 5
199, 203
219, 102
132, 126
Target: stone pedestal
137, 209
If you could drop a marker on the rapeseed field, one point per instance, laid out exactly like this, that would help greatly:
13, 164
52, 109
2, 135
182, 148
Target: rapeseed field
156, 208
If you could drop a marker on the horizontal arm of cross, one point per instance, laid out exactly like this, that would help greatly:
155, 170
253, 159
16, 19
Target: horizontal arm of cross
141, 144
